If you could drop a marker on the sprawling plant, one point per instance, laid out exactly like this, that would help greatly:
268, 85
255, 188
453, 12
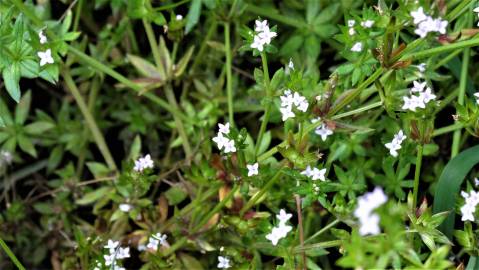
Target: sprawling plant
238, 134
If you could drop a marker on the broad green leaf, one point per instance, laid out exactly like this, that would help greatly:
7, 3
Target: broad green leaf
175, 195
450, 183
94, 195
39, 127
193, 15
328, 14
11, 77
473, 263
98, 169
143, 67
136, 9
26, 145
312, 45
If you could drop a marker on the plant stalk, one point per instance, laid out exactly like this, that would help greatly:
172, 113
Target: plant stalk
269, 102
229, 82
417, 174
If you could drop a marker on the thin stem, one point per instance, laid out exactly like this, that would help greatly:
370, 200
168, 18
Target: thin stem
442, 49
301, 232
229, 82
447, 129
417, 173
358, 110
153, 45
456, 138
179, 124
252, 201
268, 101
11, 255
204, 45
318, 233
90, 120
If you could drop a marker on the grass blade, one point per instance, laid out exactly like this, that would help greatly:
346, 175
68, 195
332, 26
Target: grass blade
449, 184
11, 255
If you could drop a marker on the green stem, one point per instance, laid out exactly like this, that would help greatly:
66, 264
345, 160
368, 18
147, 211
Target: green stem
154, 46
11, 255
204, 45
358, 110
90, 121
268, 101
456, 138
229, 82
179, 124
318, 233
447, 129
252, 201
417, 173
442, 49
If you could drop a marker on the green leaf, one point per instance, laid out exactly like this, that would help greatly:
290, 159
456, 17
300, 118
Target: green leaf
473, 263
136, 9
11, 77
55, 157
38, 127
175, 195
143, 67
190, 262
22, 109
193, 15
94, 195
26, 145
181, 66
44, 208
449, 184
135, 148
312, 45
98, 169
291, 45
327, 14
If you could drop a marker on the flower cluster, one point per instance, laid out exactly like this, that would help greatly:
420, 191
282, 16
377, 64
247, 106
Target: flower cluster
156, 240
223, 262
323, 130
282, 229
46, 56
223, 143
419, 97
395, 144
426, 24
369, 221
252, 169
115, 253
263, 35
291, 99
143, 163
468, 209
315, 173
358, 46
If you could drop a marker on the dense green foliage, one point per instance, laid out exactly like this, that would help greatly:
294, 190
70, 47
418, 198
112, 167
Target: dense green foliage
347, 137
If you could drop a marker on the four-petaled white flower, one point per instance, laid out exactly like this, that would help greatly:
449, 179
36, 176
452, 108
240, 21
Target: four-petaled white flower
357, 47
290, 100
263, 35
418, 15
223, 262
469, 208
367, 23
224, 143
45, 57
426, 24
395, 144
351, 23
143, 163
418, 101
116, 252
42, 37
369, 221
324, 131
418, 87
282, 230
315, 173
252, 169
225, 129
283, 216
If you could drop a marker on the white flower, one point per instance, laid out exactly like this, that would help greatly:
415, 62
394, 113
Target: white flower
351, 23
179, 17
225, 129
223, 262
156, 240
440, 25
395, 144
286, 113
427, 96
469, 208
112, 245
357, 47
289, 100
418, 15
351, 31
291, 64
45, 57
258, 43
421, 67
252, 169
278, 233
476, 9
124, 207
476, 182
368, 221
267, 35
418, 87
300, 102
260, 26
220, 140
230, 146
477, 97
367, 24
314, 173
123, 253
143, 163
42, 37
283, 216
324, 131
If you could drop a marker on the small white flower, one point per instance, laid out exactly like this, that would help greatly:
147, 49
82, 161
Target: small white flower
258, 43
427, 95
324, 131
370, 225
315, 173
395, 144
278, 233
267, 35
287, 113
291, 64
368, 221
124, 207
223, 262
421, 67
230, 146
225, 129
252, 169
260, 26
477, 97
45, 57
476, 182
220, 140
123, 253
283, 216
418, 87
367, 24
357, 47
179, 17
440, 25
351, 31
42, 37
418, 15
476, 9
143, 163
112, 245
351, 23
